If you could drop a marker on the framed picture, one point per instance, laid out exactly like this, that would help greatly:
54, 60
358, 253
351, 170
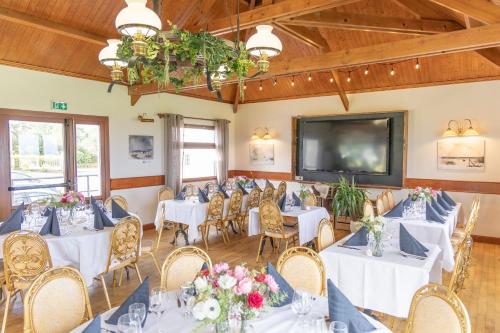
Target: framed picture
262, 153
463, 153
141, 147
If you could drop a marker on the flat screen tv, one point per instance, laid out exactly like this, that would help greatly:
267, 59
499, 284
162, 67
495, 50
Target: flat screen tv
354, 146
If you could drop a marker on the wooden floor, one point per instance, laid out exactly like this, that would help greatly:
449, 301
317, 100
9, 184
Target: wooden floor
481, 294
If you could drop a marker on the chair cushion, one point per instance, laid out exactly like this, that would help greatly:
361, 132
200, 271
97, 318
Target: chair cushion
435, 315
289, 232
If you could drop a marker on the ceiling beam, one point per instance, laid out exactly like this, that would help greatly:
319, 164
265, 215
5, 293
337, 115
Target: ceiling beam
267, 14
330, 19
45, 25
303, 34
487, 36
134, 99
481, 10
340, 89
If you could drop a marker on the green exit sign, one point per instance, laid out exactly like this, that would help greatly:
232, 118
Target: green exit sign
56, 105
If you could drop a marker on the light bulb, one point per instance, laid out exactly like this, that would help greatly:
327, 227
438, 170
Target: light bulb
275, 82
245, 86
392, 72
309, 78
366, 71
331, 80
260, 86
417, 65
349, 77
293, 81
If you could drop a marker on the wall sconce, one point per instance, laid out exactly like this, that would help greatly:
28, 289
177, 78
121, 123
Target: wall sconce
265, 136
460, 129
143, 118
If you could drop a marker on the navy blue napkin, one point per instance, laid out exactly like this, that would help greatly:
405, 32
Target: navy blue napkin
140, 295
204, 266
282, 203
46, 211
242, 188
408, 243
117, 212
14, 222
285, 288
94, 326
202, 196
52, 225
431, 214
221, 189
360, 238
254, 184
98, 223
448, 199
441, 211
268, 183
106, 221
397, 211
296, 200
180, 196
443, 203
341, 309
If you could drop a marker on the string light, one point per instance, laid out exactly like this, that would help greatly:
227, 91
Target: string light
331, 79
309, 78
293, 81
349, 77
366, 70
392, 72
260, 86
417, 65
275, 81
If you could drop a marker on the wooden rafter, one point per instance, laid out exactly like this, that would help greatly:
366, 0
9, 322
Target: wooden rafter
330, 19
309, 37
266, 14
487, 36
340, 89
190, 6
45, 25
481, 10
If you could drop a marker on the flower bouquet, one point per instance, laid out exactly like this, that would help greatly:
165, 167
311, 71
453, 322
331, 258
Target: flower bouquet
68, 200
237, 292
243, 180
423, 193
376, 228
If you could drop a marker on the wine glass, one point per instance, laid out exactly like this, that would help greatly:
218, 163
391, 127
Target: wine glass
129, 324
318, 324
138, 310
157, 303
338, 327
89, 211
302, 303
186, 292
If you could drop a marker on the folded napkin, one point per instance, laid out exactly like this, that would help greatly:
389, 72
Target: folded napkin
117, 212
182, 194
254, 184
431, 214
408, 243
14, 222
296, 200
204, 266
98, 223
202, 196
242, 188
448, 199
443, 203
438, 208
360, 238
46, 211
221, 189
285, 288
341, 309
94, 326
140, 295
52, 225
268, 183
397, 211
282, 203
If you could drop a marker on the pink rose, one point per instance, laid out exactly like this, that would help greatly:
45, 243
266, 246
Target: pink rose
271, 283
243, 287
71, 199
81, 197
221, 267
240, 272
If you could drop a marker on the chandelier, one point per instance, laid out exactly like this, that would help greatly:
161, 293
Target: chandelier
179, 57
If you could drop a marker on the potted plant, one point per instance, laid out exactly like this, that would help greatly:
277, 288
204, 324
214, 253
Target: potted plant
347, 203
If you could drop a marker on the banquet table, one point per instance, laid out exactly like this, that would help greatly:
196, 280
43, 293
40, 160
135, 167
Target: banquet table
78, 246
431, 232
277, 320
308, 221
190, 212
384, 284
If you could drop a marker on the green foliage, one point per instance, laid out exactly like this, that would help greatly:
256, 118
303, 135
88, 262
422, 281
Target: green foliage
348, 199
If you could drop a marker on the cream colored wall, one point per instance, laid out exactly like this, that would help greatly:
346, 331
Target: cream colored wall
31, 90
429, 110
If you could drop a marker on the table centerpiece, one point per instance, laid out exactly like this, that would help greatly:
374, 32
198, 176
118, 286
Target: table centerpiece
376, 228
69, 201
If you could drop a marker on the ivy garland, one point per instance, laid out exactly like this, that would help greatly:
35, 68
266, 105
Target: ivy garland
180, 57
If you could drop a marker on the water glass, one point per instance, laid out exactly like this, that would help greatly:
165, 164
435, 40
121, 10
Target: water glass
137, 310
129, 324
186, 292
302, 303
318, 324
338, 327
157, 303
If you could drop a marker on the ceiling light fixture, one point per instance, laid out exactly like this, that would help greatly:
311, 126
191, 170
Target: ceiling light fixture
264, 45
309, 78
260, 86
417, 65
349, 77
331, 79
392, 72
108, 58
293, 81
367, 70
275, 81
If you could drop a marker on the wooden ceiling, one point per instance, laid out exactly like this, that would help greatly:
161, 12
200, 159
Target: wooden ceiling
329, 41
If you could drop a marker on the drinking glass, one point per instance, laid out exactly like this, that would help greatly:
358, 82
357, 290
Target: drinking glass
338, 327
318, 324
129, 324
186, 292
302, 303
139, 310
89, 211
157, 303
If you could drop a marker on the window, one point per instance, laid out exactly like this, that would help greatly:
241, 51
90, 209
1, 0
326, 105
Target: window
199, 154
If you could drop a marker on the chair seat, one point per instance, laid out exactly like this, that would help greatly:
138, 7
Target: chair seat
289, 232
147, 246
459, 233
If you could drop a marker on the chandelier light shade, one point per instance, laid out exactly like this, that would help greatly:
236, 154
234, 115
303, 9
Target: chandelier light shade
108, 58
264, 45
460, 130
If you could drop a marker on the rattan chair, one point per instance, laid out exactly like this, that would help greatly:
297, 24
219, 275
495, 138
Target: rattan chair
303, 269
435, 309
281, 190
380, 206
253, 201
123, 250
385, 201
214, 218
165, 193
458, 275
390, 199
368, 210
121, 201
268, 193
271, 226
182, 265
26, 256
233, 214
56, 302
151, 247
326, 235
310, 200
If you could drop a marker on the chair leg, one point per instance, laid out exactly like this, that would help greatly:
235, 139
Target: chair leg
138, 273
155, 260
6, 311
205, 235
113, 284
105, 291
121, 277
286, 244
260, 247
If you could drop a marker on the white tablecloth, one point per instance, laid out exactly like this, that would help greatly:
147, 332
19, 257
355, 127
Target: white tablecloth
278, 320
190, 212
384, 284
431, 232
308, 221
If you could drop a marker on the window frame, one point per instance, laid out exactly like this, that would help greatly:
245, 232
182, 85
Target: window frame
199, 145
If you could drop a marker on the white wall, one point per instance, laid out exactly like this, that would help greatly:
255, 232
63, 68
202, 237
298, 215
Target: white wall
30, 90
429, 110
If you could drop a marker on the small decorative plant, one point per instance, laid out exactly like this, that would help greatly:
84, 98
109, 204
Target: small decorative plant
304, 192
243, 180
423, 193
376, 228
69, 200
349, 199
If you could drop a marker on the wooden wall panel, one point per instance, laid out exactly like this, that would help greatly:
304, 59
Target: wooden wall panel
456, 185
135, 182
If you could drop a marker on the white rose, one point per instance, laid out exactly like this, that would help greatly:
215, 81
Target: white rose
211, 309
377, 227
201, 284
227, 282
199, 311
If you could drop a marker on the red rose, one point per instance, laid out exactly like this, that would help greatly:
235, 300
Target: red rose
255, 300
260, 277
204, 272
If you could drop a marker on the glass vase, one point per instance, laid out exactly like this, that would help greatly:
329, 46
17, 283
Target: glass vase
222, 327
376, 245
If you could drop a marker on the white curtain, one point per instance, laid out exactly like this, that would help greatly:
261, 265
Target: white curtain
222, 148
174, 142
